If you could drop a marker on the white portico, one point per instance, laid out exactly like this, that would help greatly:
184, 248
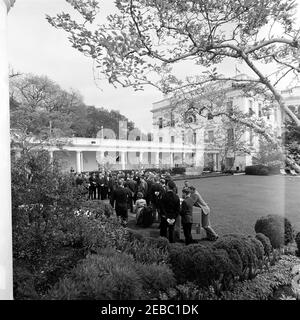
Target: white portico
6, 275
87, 154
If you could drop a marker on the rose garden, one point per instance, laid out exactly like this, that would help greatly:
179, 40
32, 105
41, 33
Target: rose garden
233, 135
68, 247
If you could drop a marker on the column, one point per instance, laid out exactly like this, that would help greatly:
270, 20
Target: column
172, 159
123, 160
78, 161
183, 158
156, 159
81, 161
6, 279
214, 162
141, 160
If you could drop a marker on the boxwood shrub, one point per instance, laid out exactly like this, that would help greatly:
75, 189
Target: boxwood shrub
246, 254
265, 241
277, 228
200, 264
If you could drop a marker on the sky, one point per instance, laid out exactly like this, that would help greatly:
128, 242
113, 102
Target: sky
36, 47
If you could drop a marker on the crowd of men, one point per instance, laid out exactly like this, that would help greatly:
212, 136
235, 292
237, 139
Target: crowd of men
138, 190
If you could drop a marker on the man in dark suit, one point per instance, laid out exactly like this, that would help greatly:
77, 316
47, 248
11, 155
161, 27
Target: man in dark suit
156, 193
98, 186
111, 187
187, 215
170, 209
119, 202
92, 186
132, 187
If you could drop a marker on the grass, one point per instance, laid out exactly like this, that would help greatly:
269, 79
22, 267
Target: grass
238, 201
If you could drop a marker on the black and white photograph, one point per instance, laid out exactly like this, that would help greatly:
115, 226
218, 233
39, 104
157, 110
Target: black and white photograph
150, 150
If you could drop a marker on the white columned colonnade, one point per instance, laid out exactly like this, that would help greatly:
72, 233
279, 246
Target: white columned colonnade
6, 275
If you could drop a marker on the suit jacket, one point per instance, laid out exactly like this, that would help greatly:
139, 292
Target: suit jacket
187, 210
131, 184
111, 184
120, 197
156, 187
170, 205
199, 202
93, 182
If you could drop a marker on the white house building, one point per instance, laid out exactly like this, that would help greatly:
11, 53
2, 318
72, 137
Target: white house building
176, 124
179, 138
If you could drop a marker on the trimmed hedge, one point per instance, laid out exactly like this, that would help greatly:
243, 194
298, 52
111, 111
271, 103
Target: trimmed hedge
231, 258
265, 241
260, 170
246, 253
278, 229
178, 170
263, 287
200, 264
297, 240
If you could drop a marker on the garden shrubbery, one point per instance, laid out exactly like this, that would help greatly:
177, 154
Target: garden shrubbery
297, 240
265, 286
178, 170
97, 208
147, 250
52, 228
115, 276
233, 257
265, 241
278, 229
202, 265
261, 170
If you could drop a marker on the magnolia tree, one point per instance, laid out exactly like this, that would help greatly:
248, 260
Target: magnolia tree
143, 41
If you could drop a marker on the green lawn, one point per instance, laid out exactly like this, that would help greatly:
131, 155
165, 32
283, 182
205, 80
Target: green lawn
237, 201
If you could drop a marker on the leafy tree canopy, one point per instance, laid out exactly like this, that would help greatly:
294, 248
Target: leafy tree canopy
142, 42
40, 107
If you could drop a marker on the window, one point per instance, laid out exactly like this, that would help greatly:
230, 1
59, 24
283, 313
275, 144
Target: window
229, 107
251, 110
172, 119
210, 136
194, 138
160, 139
251, 136
230, 136
172, 139
160, 123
